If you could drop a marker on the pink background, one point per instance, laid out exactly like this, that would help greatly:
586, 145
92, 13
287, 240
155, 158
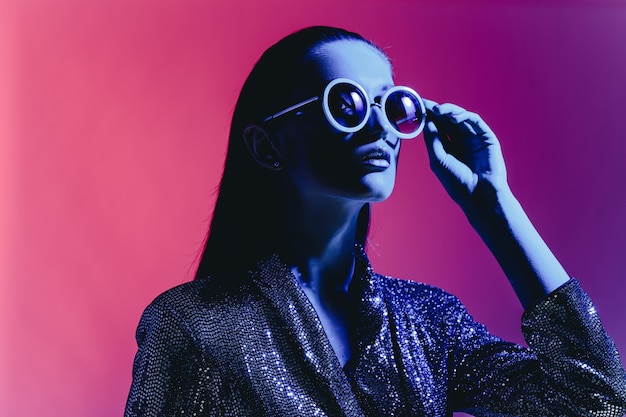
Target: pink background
113, 123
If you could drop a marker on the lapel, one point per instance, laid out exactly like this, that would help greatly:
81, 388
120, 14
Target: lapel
294, 316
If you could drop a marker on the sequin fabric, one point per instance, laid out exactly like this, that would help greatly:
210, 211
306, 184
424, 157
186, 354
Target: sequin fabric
254, 346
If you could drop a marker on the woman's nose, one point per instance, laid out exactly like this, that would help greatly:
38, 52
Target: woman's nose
378, 125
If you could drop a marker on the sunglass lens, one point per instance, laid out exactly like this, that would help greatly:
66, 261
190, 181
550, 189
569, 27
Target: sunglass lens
347, 105
404, 111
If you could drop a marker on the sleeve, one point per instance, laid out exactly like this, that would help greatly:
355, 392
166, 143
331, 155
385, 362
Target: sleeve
571, 368
164, 367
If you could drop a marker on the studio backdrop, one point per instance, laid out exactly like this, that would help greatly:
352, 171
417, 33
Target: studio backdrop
114, 117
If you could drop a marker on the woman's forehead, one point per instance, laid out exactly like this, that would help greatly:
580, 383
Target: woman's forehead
352, 59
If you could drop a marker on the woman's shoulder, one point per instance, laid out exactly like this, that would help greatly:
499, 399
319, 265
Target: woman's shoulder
193, 305
180, 292
418, 294
199, 293
413, 287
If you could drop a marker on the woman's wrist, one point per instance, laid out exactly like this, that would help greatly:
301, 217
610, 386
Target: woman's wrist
489, 202
528, 263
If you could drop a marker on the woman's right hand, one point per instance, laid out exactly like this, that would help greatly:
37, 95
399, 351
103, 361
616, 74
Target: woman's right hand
465, 156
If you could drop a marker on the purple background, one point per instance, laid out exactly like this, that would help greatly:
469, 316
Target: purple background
113, 125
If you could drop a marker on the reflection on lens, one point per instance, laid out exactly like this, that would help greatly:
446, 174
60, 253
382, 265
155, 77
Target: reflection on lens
401, 109
347, 105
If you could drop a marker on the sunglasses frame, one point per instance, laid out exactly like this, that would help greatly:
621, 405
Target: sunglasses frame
331, 119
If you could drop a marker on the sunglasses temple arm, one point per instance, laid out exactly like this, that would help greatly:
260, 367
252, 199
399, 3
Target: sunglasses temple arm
291, 108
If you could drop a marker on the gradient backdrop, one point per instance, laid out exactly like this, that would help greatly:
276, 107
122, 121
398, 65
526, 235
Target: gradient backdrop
113, 123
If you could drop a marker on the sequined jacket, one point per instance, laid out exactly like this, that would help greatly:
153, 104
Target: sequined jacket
254, 346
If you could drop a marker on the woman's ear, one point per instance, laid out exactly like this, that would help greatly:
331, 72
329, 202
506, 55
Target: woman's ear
263, 147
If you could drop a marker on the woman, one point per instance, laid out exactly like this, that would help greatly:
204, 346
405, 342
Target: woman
286, 316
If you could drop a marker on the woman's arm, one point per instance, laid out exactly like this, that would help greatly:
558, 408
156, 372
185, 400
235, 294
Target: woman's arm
466, 157
572, 367
165, 370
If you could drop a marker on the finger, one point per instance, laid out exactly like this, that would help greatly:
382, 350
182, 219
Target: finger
429, 104
446, 166
448, 109
473, 121
455, 115
434, 147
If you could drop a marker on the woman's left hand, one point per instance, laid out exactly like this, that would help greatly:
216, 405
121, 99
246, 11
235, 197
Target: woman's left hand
465, 155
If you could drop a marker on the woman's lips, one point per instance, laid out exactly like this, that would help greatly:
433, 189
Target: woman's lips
377, 158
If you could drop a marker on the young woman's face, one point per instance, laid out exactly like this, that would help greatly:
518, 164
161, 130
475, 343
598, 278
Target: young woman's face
322, 161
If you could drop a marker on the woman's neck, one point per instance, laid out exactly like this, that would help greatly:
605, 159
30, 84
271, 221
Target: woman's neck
319, 243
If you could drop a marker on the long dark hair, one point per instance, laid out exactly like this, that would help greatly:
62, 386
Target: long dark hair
247, 220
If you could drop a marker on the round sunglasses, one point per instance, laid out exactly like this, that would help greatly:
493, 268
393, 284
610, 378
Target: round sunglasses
347, 108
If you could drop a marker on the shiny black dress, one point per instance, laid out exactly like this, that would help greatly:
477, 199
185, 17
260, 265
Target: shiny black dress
253, 346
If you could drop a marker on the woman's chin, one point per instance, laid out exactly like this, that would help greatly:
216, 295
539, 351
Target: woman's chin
380, 186
374, 194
